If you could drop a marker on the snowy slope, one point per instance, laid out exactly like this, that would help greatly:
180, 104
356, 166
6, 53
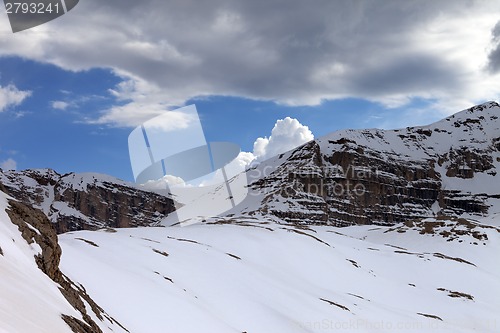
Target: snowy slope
254, 277
30, 300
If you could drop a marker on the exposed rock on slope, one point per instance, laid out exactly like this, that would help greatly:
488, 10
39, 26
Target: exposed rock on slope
384, 177
64, 303
86, 201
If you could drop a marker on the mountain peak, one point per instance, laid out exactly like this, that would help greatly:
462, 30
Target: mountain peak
375, 176
484, 113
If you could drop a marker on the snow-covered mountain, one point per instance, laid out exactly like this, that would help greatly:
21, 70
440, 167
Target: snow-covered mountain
86, 201
368, 231
449, 168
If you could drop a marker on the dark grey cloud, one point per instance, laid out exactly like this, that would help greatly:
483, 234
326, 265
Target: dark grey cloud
494, 56
290, 51
409, 74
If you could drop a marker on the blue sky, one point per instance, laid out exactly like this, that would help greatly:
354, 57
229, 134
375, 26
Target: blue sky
72, 90
38, 135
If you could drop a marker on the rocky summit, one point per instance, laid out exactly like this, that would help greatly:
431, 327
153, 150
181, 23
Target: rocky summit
86, 201
449, 168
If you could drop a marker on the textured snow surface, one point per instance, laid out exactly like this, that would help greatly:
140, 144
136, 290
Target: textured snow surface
80, 181
265, 277
29, 300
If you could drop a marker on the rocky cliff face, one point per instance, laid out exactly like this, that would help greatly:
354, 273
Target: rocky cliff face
384, 177
86, 201
348, 177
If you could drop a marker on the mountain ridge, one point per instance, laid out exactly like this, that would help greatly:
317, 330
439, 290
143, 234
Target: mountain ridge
87, 201
447, 168
347, 177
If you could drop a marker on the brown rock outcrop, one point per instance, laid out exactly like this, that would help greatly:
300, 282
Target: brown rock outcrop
86, 202
36, 228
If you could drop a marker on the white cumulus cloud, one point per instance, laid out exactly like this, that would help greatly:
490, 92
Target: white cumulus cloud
60, 105
287, 134
138, 101
11, 96
8, 164
162, 183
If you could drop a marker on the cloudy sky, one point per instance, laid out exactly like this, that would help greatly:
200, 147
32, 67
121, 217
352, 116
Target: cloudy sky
73, 89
